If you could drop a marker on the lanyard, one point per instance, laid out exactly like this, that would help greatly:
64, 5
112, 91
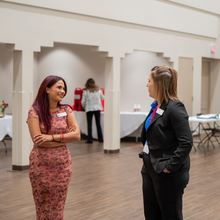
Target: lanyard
153, 114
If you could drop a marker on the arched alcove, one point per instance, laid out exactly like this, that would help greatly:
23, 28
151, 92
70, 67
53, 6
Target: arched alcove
75, 63
135, 69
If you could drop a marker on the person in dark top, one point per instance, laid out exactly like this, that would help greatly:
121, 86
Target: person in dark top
167, 141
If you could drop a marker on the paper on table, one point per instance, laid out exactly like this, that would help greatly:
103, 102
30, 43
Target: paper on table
208, 116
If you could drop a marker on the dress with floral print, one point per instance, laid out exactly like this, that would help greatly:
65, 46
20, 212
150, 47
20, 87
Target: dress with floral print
50, 170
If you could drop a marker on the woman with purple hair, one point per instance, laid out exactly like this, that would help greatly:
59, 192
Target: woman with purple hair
51, 126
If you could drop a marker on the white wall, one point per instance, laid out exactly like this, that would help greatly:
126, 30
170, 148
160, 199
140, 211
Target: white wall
135, 69
6, 76
75, 63
111, 31
114, 28
211, 6
148, 13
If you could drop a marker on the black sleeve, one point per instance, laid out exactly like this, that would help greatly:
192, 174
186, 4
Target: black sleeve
178, 118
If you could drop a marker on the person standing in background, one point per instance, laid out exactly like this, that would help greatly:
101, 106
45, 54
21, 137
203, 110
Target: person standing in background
51, 126
91, 102
167, 141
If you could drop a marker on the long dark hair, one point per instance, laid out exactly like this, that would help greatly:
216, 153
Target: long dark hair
91, 86
165, 80
41, 103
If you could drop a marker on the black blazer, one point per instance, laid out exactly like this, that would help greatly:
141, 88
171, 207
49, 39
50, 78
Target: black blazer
169, 138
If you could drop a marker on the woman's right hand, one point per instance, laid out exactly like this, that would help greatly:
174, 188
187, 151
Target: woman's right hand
42, 138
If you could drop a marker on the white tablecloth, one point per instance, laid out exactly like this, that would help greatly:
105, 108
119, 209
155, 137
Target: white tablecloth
203, 120
5, 126
130, 121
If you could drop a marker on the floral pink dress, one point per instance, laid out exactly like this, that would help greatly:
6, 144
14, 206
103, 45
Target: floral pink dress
50, 170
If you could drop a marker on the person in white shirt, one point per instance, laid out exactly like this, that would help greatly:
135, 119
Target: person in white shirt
91, 102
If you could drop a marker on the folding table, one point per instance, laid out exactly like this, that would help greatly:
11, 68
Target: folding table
200, 126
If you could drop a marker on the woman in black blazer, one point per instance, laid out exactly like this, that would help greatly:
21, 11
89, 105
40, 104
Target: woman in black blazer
167, 142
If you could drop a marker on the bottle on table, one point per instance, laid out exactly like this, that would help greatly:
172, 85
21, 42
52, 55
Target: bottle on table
135, 108
138, 107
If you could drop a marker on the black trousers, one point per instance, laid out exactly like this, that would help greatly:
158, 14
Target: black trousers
162, 192
89, 116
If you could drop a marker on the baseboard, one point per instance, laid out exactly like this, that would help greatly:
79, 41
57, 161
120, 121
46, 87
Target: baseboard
124, 139
20, 168
112, 151
130, 139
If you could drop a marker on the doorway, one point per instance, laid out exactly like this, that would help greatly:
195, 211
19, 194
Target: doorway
205, 86
185, 83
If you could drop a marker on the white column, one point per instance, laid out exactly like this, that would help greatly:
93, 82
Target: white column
112, 105
22, 98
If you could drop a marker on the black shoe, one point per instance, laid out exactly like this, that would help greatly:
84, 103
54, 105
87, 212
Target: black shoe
88, 142
101, 141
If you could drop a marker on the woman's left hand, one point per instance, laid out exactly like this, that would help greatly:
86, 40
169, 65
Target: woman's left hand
71, 129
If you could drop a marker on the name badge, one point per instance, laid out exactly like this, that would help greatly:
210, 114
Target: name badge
159, 111
146, 148
61, 114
